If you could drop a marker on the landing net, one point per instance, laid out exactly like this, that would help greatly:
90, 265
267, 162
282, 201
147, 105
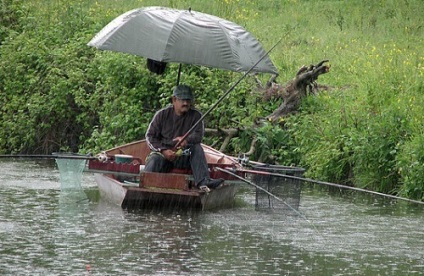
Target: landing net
286, 189
71, 171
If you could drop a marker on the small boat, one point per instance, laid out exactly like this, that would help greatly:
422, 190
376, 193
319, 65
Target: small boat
121, 179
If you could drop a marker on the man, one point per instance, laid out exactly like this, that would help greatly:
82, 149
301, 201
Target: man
167, 128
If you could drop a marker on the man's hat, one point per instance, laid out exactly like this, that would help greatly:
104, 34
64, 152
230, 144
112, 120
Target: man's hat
183, 92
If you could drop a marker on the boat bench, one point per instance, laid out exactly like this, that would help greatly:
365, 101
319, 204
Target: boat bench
171, 180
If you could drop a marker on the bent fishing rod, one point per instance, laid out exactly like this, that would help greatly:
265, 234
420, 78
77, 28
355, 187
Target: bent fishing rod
224, 95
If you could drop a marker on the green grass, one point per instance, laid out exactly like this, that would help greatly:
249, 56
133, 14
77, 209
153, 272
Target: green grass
367, 130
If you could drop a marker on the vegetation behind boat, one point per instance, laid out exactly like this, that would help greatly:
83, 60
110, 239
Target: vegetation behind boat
59, 94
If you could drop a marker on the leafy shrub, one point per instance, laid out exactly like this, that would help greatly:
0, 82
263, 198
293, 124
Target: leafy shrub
59, 94
411, 168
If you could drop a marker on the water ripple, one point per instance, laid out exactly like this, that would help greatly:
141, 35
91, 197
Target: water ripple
42, 232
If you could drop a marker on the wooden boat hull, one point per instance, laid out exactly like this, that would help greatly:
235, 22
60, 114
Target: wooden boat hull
129, 187
130, 196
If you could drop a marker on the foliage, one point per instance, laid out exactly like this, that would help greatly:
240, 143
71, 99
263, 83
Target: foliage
38, 85
59, 94
12, 17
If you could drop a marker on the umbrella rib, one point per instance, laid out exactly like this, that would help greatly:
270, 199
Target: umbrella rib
171, 31
232, 50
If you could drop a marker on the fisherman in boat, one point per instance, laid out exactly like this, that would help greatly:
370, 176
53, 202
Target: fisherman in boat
167, 129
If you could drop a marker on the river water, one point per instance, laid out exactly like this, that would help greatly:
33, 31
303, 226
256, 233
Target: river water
42, 232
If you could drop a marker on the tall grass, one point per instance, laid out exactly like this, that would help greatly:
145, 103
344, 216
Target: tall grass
367, 130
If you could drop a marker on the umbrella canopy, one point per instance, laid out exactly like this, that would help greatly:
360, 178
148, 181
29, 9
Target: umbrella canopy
184, 36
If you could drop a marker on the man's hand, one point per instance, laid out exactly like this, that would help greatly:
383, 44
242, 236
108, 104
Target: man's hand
178, 140
169, 154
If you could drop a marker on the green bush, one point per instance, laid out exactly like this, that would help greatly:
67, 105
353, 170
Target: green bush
411, 168
366, 130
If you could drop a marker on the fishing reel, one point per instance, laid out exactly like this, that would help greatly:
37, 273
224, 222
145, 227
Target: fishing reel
181, 152
243, 159
102, 157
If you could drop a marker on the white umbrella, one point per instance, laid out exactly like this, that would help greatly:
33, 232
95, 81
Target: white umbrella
184, 36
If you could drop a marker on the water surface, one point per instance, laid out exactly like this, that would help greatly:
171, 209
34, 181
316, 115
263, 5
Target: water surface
42, 232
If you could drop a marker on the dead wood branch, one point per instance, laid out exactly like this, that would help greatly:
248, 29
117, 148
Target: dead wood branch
291, 93
303, 84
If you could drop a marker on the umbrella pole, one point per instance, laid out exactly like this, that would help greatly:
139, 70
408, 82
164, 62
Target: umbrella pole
224, 95
179, 74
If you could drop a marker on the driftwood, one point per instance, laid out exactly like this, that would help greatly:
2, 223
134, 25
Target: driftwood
302, 85
291, 94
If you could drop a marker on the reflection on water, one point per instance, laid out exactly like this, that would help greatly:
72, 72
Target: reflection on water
40, 233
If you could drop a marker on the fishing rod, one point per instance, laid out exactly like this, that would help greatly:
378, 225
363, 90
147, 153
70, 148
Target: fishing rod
225, 95
47, 156
333, 185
